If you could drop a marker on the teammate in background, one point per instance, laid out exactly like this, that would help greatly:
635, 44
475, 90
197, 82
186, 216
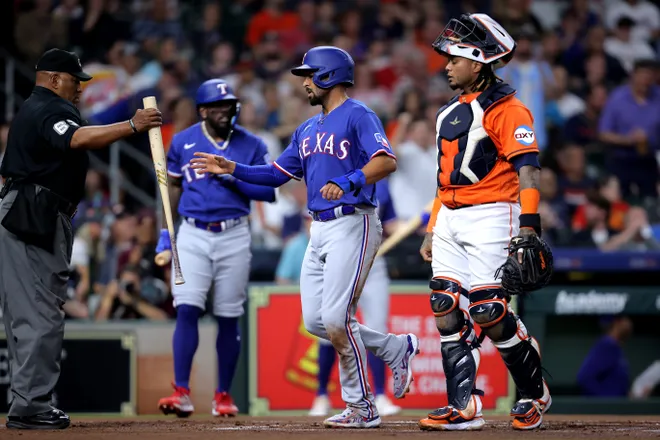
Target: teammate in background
341, 153
488, 160
213, 239
375, 307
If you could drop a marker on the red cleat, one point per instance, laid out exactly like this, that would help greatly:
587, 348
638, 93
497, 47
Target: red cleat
223, 405
178, 403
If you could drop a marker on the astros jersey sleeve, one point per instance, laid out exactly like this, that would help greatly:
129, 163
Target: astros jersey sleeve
511, 127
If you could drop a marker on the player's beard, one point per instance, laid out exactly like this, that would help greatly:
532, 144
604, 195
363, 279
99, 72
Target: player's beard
316, 96
220, 130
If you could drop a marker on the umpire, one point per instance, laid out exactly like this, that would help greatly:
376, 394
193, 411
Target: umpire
45, 166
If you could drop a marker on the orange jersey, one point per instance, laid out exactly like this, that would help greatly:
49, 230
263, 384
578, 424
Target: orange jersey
476, 142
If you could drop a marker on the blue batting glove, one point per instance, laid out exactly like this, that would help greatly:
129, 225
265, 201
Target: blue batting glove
425, 217
164, 243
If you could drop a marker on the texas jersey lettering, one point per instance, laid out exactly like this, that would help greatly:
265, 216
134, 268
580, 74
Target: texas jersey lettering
324, 148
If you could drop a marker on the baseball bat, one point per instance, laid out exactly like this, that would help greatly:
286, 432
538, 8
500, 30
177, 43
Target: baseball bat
163, 258
403, 231
158, 156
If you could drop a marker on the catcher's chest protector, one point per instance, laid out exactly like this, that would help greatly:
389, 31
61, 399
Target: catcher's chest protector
460, 124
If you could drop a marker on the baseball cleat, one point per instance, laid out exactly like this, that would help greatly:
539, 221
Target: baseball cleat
352, 419
448, 418
320, 407
385, 406
402, 373
223, 405
178, 403
528, 413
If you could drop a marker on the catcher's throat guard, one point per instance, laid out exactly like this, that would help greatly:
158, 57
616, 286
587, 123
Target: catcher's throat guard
536, 268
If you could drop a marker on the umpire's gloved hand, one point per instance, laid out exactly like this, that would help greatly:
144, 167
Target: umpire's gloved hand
164, 243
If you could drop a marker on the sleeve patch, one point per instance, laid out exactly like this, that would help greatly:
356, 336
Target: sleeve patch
524, 135
381, 140
61, 127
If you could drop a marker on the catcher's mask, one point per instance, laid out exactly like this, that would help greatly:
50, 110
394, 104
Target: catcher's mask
476, 37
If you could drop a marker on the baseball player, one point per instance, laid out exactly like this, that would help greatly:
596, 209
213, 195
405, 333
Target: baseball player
341, 153
213, 239
375, 306
488, 160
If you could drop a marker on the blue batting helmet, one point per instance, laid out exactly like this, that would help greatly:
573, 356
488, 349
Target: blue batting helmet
330, 66
215, 91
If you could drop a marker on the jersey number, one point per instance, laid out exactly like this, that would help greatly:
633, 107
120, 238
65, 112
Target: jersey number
190, 173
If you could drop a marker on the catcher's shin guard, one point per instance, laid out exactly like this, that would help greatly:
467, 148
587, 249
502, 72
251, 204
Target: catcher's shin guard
460, 360
522, 356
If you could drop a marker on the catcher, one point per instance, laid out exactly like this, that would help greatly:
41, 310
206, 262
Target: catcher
483, 237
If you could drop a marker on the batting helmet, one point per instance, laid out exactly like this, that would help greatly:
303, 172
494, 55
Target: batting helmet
217, 90
330, 66
476, 37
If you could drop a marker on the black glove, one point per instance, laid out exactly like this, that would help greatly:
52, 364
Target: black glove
535, 270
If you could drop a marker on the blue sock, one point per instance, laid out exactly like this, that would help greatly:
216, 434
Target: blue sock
377, 367
184, 343
228, 347
327, 355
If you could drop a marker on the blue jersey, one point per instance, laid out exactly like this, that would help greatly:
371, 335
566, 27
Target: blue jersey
326, 147
207, 197
385, 211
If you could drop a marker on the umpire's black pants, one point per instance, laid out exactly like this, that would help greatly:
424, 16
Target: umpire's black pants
33, 286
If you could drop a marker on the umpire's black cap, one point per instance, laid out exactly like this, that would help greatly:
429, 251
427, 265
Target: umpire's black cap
58, 60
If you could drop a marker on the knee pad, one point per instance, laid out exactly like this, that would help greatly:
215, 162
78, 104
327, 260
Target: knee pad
445, 300
489, 309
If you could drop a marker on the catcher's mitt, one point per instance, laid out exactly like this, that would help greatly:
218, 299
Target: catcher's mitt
536, 268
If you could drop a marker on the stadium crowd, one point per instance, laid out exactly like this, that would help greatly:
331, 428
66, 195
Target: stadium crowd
588, 70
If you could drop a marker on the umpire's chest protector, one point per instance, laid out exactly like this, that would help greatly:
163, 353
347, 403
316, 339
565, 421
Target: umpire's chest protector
466, 154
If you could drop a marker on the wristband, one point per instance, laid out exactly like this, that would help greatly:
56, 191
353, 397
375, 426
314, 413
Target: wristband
353, 181
130, 121
529, 201
531, 221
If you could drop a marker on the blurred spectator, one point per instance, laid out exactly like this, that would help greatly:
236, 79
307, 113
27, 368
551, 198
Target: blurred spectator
271, 18
103, 26
38, 29
567, 103
516, 17
636, 234
605, 370
552, 209
629, 124
582, 128
374, 96
414, 184
254, 120
533, 81
291, 260
158, 21
573, 181
624, 48
590, 64
610, 190
122, 299
644, 14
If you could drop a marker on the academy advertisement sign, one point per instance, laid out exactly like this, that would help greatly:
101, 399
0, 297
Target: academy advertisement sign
283, 357
593, 300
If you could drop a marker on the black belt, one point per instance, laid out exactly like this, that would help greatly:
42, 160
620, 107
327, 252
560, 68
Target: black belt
469, 206
63, 205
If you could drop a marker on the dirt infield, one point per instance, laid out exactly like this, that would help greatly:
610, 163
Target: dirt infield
205, 428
